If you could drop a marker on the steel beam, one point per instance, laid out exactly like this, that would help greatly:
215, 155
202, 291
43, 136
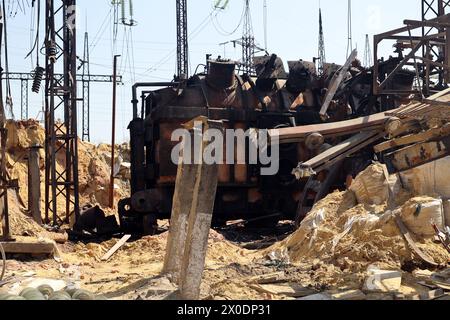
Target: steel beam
24, 99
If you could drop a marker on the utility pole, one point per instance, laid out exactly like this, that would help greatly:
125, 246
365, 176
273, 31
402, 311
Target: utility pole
61, 138
322, 58
349, 29
4, 181
182, 40
86, 91
248, 41
113, 135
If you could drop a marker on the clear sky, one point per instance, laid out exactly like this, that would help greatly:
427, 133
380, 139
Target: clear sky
292, 34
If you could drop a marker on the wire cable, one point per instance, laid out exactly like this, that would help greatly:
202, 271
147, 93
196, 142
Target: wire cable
222, 30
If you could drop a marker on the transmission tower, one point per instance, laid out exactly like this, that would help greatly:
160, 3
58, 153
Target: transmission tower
61, 141
322, 58
248, 41
182, 40
349, 29
86, 90
367, 53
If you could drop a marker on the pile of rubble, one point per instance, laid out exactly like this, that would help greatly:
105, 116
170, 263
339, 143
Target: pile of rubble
356, 228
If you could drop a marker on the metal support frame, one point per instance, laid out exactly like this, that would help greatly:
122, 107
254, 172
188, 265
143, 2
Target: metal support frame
24, 99
86, 92
248, 42
4, 178
61, 178
426, 66
82, 79
432, 9
182, 40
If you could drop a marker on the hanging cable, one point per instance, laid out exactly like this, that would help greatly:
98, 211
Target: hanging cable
38, 72
219, 27
197, 30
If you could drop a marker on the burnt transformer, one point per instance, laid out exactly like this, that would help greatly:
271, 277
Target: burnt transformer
272, 99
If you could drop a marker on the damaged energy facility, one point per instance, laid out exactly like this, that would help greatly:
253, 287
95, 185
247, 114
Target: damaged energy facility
253, 178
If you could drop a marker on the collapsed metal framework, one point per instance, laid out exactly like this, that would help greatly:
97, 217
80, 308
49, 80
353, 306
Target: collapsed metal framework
429, 53
61, 140
182, 40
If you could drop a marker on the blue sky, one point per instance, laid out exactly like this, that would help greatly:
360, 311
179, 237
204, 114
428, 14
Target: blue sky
292, 34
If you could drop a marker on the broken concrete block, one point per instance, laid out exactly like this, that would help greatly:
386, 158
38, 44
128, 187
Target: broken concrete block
433, 295
349, 295
383, 281
284, 289
316, 297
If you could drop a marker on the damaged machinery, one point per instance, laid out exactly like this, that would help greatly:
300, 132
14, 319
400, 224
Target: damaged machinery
273, 99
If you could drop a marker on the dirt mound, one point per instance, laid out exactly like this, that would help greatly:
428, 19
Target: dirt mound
94, 169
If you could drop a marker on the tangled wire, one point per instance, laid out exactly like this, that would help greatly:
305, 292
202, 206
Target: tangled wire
2, 252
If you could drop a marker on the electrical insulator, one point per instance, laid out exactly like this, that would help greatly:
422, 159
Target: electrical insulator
51, 52
38, 75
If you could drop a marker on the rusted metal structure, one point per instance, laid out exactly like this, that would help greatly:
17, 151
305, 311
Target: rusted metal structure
427, 61
273, 99
61, 139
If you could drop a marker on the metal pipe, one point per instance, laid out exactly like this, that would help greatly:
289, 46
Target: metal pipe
137, 85
113, 135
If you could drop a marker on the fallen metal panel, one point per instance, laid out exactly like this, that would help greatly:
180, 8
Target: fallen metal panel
336, 82
336, 154
413, 138
417, 155
299, 134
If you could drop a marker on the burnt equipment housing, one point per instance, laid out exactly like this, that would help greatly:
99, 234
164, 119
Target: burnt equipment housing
273, 99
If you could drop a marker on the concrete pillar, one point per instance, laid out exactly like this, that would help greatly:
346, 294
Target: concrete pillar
182, 202
199, 225
34, 184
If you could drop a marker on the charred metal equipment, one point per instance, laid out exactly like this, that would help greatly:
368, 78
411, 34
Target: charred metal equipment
272, 100
61, 138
